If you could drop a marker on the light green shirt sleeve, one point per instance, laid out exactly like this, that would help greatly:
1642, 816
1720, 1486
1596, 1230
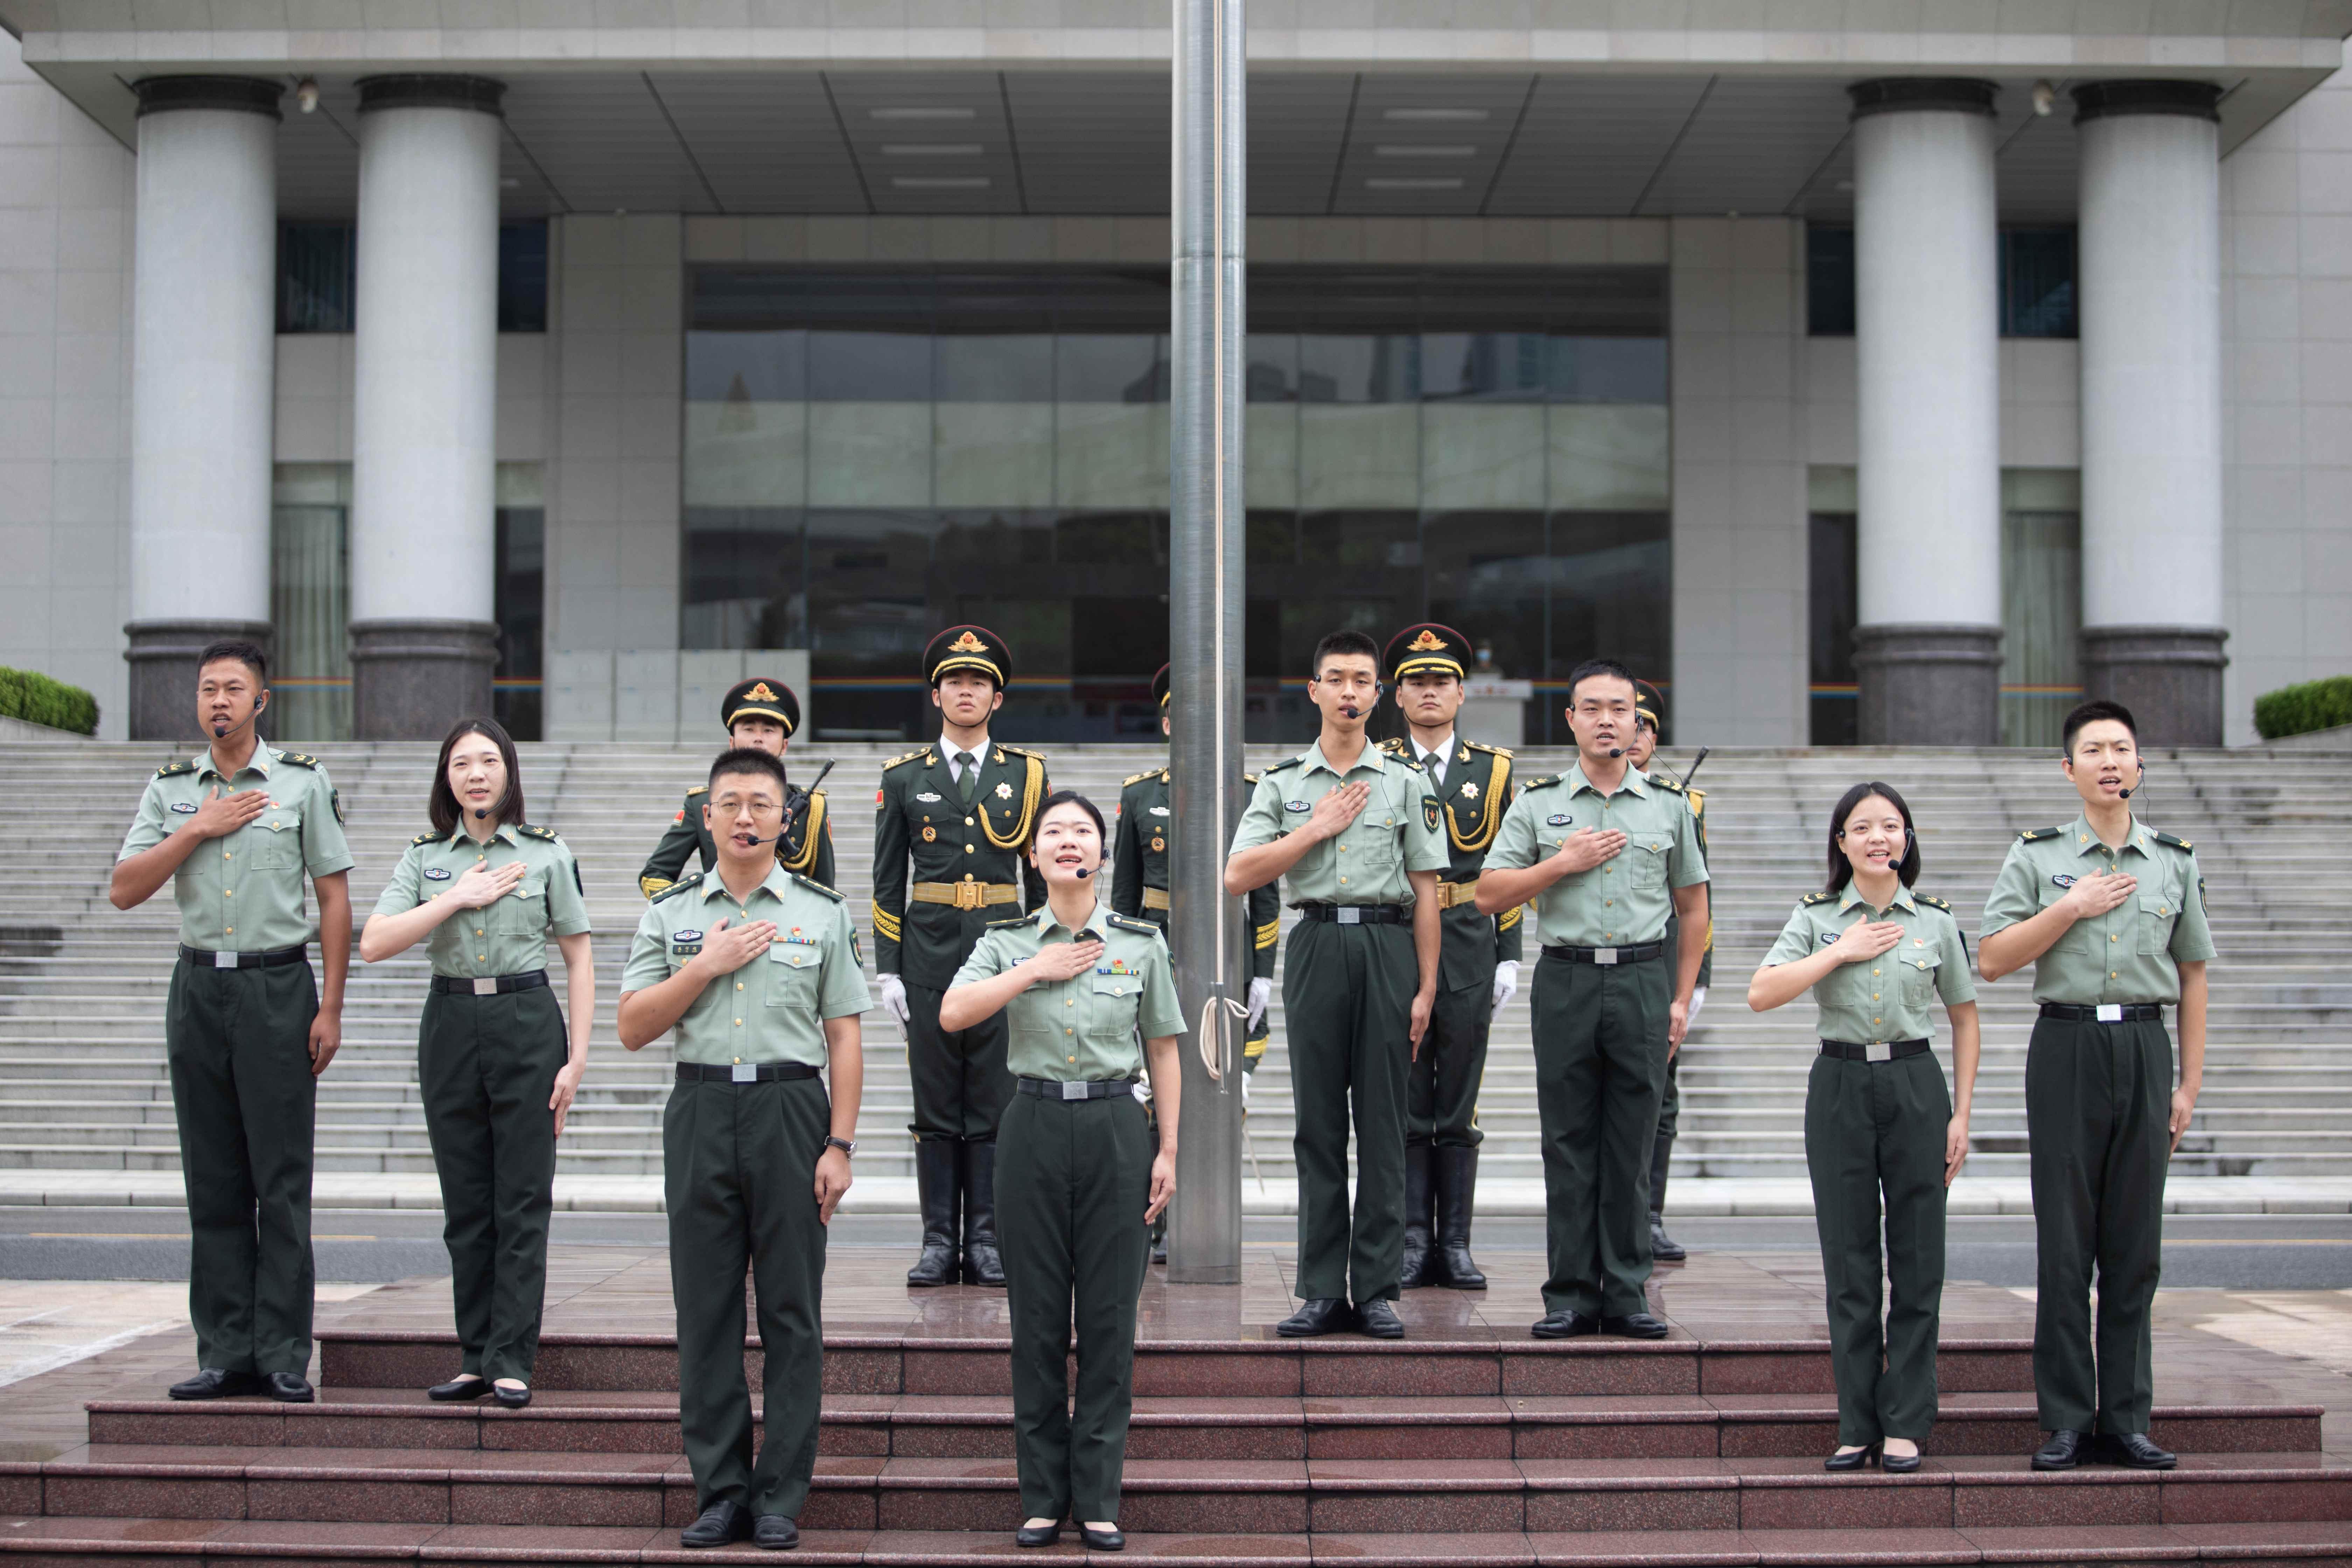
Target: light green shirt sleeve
2193, 939
2013, 899
841, 985
648, 964
1425, 849
1158, 1013
1514, 849
1687, 861
405, 890
324, 851
1796, 939
1955, 980
1261, 818
147, 828
567, 912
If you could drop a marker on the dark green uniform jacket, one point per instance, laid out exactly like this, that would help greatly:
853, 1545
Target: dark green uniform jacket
1143, 840
925, 833
806, 850
1477, 791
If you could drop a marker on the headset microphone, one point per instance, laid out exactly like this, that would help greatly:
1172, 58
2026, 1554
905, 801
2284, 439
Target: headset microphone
1084, 872
1616, 752
2142, 784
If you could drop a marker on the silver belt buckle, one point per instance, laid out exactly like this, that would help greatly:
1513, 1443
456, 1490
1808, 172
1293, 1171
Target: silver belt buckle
487, 986
1350, 915
2111, 1011
1604, 956
223, 961
744, 1072
1076, 1090
1878, 1051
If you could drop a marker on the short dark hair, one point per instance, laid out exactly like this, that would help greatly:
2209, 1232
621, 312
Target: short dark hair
1347, 644
245, 653
441, 803
2091, 713
750, 759
1841, 868
1068, 797
1595, 668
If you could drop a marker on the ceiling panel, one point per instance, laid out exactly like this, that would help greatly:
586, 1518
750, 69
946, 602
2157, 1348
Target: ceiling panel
1092, 143
319, 162
1427, 144
1591, 145
605, 145
767, 143
1752, 146
1298, 125
931, 141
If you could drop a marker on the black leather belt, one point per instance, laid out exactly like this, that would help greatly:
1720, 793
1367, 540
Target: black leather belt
1641, 953
1356, 914
1878, 1051
743, 1072
1087, 1088
202, 960
2106, 1012
489, 985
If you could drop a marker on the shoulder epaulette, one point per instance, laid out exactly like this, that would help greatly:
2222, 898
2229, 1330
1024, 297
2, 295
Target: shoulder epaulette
427, 838
919, 752
2176, 842
1494, 750
699, 789
299, 759
1815, 898
680, 886
1129, 922
1249, 778
814, 886
1021, 750
2030, 833
1013, 920
1285, 763
1942, 904
546, 834
1407, 761
1133, 779
1393, 744
1663, 781
1538, 782
168, 769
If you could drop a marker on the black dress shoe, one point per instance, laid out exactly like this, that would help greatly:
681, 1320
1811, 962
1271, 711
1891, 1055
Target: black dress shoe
2133, 1451
467, 1387
1857, 1460
721, 1522
1037, 1535
1565, 1324
1664, 1249
290, 1388
1101, 1539
215, 1383
2063, 1452
1635, 1326
512, 1398
775, 1531
1379, 1319
1320, 1316
1899, 1464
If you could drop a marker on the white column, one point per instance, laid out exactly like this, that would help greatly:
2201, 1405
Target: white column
1926, 350
424, 411
2148, 280
204, 364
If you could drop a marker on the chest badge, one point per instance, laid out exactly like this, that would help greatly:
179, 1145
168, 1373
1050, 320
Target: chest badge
928, 798
1429, 813
1470, 789
435, 874
1558, 819
2062, 879
1004, 791
183, 808
1159, 811
1295, 805
931, 835
1829, 938
1158, 845
685, 936
1115, 966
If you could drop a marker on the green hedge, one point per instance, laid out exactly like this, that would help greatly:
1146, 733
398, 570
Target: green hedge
2299, 709
37, 700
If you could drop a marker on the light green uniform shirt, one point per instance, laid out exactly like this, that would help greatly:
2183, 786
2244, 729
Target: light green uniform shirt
1398, 830
1892, 998
1624, 901
243, 894
509, 935
2133, 952
773, 1008
1083, 1029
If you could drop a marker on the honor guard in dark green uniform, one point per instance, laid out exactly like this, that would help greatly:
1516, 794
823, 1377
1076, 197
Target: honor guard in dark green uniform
1080, 1174
2111, 914
949, 822
1879, 1119
1359, 836
484, 891
764, 715
246, 1030
757, 969
1479, 966
1605, 852
1139, 890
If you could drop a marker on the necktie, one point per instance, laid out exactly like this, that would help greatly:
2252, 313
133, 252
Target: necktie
1434, 762
967, 771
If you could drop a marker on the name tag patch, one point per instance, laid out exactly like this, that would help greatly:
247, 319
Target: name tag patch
435, 874
2062, 879
1558, 819
183, 808
928, 798
1159, 811
1295, 805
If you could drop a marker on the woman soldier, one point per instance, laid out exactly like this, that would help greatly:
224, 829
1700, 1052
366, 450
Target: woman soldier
1877, 1117
1078, 1180
483, 891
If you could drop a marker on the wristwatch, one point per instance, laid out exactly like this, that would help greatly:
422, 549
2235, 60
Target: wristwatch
846, 1145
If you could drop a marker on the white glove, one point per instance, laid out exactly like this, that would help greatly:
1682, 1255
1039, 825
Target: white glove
1507, 981
894, 999
1260, 991
1690, 1019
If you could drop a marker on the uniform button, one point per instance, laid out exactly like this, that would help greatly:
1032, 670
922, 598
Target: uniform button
1874, 995
1608, 903
1073, 1060
2111, 939
1071, 1003
229, 930
739, 985
1873, 972
2113, 976
1878, 1020
967, 822
1343, 879
228, 892
481, 958
969, 851
739, 1023
1069, 1031
226, 855
478, 930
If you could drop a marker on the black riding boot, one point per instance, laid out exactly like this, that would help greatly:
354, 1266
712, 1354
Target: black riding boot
977, 1158
1457, 1191
1663, 1247
1415, 1271
935, 1186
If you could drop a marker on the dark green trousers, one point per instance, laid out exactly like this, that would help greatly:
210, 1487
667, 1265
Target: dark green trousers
238, 1042
960, 1078
1442, 1086
1073, 1179
2098, 1102
738, 1174
1874, 1128
1347, 993
485, 1066
1600, 1055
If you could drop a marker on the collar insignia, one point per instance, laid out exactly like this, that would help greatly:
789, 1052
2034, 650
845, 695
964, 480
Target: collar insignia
1427, 642
967, 644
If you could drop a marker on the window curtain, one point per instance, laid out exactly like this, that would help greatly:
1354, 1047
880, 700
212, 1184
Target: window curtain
310, 603
2041, 603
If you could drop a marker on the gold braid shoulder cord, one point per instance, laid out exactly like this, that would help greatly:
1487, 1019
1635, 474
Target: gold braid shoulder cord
1030, 791
1491, 815
805, 861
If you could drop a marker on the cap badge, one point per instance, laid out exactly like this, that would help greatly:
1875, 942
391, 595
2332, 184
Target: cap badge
760, 693
967, 644
1427, 642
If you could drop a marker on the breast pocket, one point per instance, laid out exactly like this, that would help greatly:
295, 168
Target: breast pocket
522, 912
793, 970
279, 834
1111, 1016
2158, 914
2076, 937
1920, 966
1648, 853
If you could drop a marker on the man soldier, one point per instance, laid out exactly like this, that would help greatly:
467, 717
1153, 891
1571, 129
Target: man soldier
1649, 714
1479, 962
1605, 852
1357, 832
763, 715
961, 812
2111, 914
246, 1030
1139, 888
757, 969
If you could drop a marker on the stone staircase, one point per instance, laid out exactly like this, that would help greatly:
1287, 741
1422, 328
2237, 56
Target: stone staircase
82, 1086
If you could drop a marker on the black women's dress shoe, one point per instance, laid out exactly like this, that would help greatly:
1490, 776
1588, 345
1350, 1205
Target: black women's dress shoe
1858, 1460
1037, 1535
2133, 1451
512, 1398
467, 1387
1899, 1464
1320, 1316
1635, 1326
722, 1521
1379, 1319
290, 1388
775, 1531
2063, 1452
215, 1383
1565, 1324
1101, 1539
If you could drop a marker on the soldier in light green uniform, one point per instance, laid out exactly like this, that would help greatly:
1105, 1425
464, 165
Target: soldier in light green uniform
1079, 1173
1605, 852
2111, 913
484, 891
757, 969
764, 715
1876, 956
1359, 836
246, 1030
